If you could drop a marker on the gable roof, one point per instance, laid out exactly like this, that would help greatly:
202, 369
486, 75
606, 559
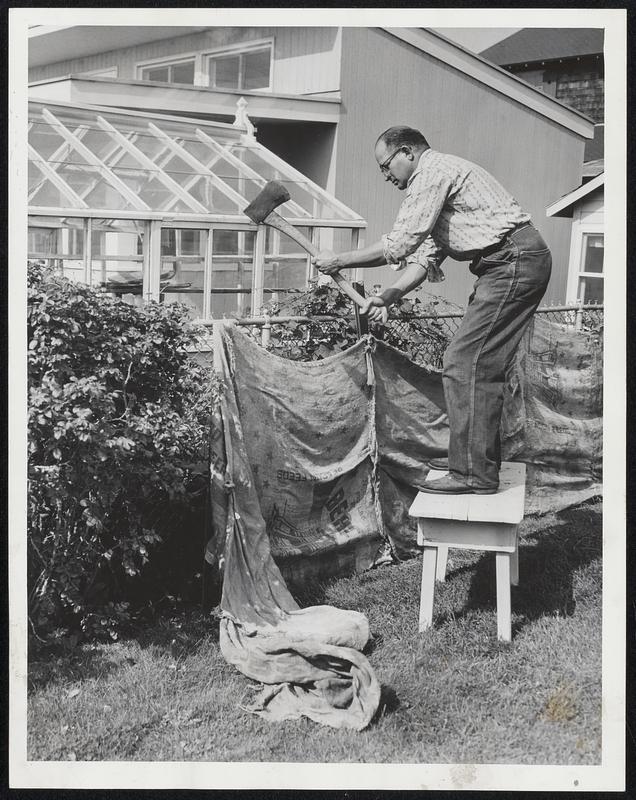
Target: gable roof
563, 206
545, 44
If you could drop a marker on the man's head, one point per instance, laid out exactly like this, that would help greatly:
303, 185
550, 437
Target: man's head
397, 152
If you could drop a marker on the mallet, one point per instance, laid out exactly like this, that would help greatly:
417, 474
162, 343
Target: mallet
261, 211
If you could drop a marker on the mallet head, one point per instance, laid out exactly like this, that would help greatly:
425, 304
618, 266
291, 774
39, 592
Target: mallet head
272, 195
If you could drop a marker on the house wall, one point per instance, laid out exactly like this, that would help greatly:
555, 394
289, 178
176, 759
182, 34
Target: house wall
306, 60
387, 82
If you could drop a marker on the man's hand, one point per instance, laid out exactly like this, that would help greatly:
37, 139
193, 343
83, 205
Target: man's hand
327, 262
376, 309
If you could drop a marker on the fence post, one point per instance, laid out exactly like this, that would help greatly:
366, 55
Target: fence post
265, 330
362, 323
578, 317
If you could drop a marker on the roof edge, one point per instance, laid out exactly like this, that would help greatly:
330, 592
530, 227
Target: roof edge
78, 76
134, 113
556, 209
494, 77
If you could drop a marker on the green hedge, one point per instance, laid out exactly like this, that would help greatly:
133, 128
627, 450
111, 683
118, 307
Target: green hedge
118, 429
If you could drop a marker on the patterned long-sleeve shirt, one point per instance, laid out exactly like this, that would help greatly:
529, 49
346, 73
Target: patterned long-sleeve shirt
452, 208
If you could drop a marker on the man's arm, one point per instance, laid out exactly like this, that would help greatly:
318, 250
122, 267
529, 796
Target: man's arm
416, 218
376, 306
372, 256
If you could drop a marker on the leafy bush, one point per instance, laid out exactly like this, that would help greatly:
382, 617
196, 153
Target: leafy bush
118, 426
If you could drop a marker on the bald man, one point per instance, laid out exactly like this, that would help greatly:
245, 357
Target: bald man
456, 208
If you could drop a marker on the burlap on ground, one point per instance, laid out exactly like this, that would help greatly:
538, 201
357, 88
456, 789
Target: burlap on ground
312, 459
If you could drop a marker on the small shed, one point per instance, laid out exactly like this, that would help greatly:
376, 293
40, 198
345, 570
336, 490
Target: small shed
585, 207
150, 207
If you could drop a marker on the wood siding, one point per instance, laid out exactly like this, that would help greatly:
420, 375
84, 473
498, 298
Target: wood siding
388, 82
306, 60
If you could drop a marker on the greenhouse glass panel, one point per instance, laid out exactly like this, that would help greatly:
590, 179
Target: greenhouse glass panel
44, 193
102, 195
183, 267
232, 267
206, 192
117, 257
148, 144
44, 139
102, 145
202, 152
59, 244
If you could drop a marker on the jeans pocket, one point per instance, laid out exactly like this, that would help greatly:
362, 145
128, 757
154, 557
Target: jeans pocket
506, 254
533, 274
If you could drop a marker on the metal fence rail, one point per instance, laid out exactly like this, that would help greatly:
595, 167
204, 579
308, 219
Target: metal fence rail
423, 336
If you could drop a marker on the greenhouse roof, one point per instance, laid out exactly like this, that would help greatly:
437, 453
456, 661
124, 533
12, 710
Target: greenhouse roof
94, 161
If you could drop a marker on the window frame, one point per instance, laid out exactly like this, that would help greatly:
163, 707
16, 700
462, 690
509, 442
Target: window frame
582, 275
239, 49
581, 229
183, 58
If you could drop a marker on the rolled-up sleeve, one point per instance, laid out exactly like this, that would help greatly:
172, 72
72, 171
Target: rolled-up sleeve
428, 255
417, 216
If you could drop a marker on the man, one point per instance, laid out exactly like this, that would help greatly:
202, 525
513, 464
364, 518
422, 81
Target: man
455, 208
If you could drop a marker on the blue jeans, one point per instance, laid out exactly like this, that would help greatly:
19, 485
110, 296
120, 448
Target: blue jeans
510, 284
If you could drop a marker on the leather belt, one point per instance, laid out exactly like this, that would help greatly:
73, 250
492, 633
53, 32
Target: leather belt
487, 251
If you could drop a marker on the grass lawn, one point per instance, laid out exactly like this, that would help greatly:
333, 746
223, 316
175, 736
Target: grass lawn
452, 695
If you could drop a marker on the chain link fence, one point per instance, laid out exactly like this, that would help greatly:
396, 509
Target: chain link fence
421, 335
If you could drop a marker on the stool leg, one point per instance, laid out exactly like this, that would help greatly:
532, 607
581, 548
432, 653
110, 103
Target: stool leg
442, 558
514, 567
427, 595
503, 597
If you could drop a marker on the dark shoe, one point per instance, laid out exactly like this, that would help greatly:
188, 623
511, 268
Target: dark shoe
442, 464
438, 463
449, 485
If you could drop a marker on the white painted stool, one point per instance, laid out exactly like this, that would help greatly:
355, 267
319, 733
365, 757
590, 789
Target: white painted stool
472, 522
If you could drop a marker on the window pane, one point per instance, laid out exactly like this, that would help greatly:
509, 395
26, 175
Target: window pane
168, 242
42, 241
191, 243
591, 290
226, 75
115, 263
593, 254
285, 274
256, 69
182, 275
232, 256
157, 74
183, 73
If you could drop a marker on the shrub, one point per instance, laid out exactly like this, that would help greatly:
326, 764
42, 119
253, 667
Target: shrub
118, 425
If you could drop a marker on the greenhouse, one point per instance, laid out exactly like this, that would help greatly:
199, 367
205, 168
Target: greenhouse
149, 207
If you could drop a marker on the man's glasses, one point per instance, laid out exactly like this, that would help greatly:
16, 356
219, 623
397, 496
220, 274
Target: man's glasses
384, 166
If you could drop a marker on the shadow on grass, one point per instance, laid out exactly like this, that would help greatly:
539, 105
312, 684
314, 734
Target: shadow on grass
389, 703
549, 557
178, 633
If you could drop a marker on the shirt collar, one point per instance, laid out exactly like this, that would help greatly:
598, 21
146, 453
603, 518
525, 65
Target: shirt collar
424, 155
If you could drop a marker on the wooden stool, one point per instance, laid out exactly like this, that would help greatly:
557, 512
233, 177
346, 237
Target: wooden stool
472, 522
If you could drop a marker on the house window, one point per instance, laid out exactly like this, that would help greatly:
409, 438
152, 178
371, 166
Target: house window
176, 72
244, 70
590, 288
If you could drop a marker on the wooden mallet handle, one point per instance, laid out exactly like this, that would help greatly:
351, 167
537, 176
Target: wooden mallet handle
275, 220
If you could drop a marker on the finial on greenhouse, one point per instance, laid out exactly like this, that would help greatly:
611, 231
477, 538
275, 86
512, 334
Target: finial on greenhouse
241, 120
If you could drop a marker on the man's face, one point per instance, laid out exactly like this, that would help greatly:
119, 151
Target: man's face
395, 164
